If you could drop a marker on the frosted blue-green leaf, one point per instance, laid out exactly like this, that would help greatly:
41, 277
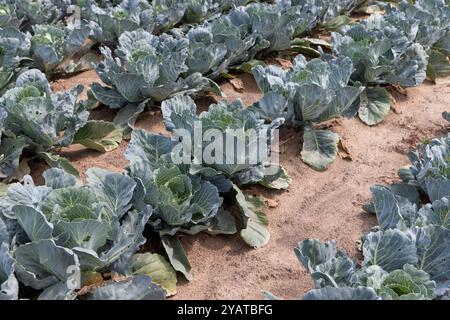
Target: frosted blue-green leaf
384, 51
35, 78
446, 115
139, 287
34, 120
272, 106
331, 293
89, 259
177, 256
409, 68
148, 67
5, 77
126, 117
128, 240
33, 223
344, 99
390, 249
179, 113
405, 174
205, 202
4, 235
43, 118
406, 191
128, 237
319, 148
375, 104
129, 86
268, 77
27, 194
311, 101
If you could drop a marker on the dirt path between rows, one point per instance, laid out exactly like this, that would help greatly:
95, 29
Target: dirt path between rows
323, 205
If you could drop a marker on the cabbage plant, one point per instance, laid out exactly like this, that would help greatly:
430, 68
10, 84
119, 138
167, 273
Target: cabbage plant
224, 42
62, 234
310, 93
54, 49
407, 256
182, 202
426, 22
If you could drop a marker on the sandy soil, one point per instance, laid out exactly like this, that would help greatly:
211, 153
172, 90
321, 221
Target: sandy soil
324, 205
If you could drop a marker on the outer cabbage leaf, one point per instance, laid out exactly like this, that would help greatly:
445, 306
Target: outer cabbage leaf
222, 123
54, 49
46, 119
328, 266
42, 264
139, 287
